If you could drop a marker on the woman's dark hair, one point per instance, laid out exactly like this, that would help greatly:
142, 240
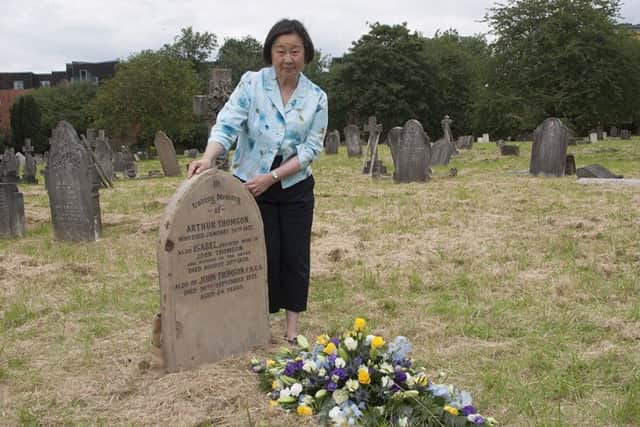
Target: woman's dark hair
288, 26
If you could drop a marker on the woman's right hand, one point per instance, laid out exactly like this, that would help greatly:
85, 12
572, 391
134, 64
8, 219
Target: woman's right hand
198, 166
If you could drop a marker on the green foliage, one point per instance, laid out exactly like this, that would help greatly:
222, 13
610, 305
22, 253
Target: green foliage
194, 47
561, 58
240, 55
151, 91
65, 102
26, 123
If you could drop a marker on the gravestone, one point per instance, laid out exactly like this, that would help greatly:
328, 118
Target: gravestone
192, 153
118, 162
446, 128
604, 135
129, 165
104, 156
72, 187
465, 142
394, 137
372, 165
570, 165
213, 272
9, 169
412, 152
625, 134
485, 137
21, 159
593, 137
332, 143
549, 149
29, 163
596, 171
208, 106
92, 137
11, 211
613, 132
441, 152
352, 139
166, 154
508, 150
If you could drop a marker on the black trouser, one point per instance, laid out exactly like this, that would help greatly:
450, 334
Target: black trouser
287, 216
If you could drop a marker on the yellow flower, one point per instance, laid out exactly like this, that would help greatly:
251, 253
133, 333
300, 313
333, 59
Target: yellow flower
276, 385
322, 339
359, 324
273, 403
377, 342
450, 409
304, 411
363, 376
330, 348
422, 380
270, 363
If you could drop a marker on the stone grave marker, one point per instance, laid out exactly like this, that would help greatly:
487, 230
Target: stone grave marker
549, 149
570, 165
485, 137
129, 165
9, 170
166, 154
104, 155
11, 211
333, 142
625, 134
412, 153
613, 132
21, 159
352, 139
465, 142
394, 137
446, 128
604, 135
213, 272
507, 149
372, 166
192, 153
29, 163
72, 187
596, 171
208, 106
593, 137
441, 152
118, 162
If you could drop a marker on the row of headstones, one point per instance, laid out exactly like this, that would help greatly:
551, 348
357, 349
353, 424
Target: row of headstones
13, 162
76, 168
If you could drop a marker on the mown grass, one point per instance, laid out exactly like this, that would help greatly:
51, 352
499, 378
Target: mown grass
522, 290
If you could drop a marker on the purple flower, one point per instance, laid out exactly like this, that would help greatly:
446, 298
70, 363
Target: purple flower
468, 410
401, 376
331, 386
336, 341
339, 372
332, 358
299, 365
275, 394
479, 420
290, 369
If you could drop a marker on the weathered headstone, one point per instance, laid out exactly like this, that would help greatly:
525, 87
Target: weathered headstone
446, 128
213, 272
441, 152
208, 106
166, 154
485, 137
372, 165
129, 165
593, 137
570, 165
596, 171
465, 142
412, 152
352, 138
192, 153
118, 162
11, 211
507, 149
549, 150
21, 159
72, 188
604, 135
394, 138
104, 155
9, 166
29, 175
613, 132
332, 143
625, 134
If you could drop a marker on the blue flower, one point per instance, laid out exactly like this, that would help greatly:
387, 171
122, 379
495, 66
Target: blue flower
331, 386
468, 410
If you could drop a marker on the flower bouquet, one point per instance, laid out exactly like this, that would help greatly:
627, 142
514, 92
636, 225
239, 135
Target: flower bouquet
360, 379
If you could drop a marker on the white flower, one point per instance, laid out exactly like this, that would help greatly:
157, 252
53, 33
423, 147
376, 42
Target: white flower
340, 396
340, 362
309, 366
296, 389
403, 422
368, 339
322, 372
386, 382
285, 392
386, 368
350, 343
321, 393
491, 421
337, 416
352, 385
307, 400
410, 380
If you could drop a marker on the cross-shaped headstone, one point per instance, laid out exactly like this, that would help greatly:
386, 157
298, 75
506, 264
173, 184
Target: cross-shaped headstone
27, 148
29, 163
208, 106
371, 156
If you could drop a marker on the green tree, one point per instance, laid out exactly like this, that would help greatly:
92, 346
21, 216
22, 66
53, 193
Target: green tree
150, 91
196, 48
562, 58
65, 102
240, 55
26, 123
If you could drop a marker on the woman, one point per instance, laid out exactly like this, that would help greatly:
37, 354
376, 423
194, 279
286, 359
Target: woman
280, 119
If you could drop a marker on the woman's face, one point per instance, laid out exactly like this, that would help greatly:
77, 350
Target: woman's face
287, 56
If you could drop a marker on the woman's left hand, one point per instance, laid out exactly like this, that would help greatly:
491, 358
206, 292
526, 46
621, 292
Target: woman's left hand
259, 184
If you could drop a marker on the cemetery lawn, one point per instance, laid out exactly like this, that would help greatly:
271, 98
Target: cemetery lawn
522, 290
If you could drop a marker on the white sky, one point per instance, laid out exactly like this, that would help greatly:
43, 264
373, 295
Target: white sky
43, 35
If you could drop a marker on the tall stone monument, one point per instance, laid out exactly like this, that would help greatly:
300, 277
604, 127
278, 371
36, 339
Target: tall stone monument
549, 150
213, 272
72, 187
166, 154
103, 154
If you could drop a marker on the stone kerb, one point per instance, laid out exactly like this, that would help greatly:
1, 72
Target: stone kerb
213, 272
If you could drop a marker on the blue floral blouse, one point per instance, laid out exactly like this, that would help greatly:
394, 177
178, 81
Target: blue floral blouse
266, 128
